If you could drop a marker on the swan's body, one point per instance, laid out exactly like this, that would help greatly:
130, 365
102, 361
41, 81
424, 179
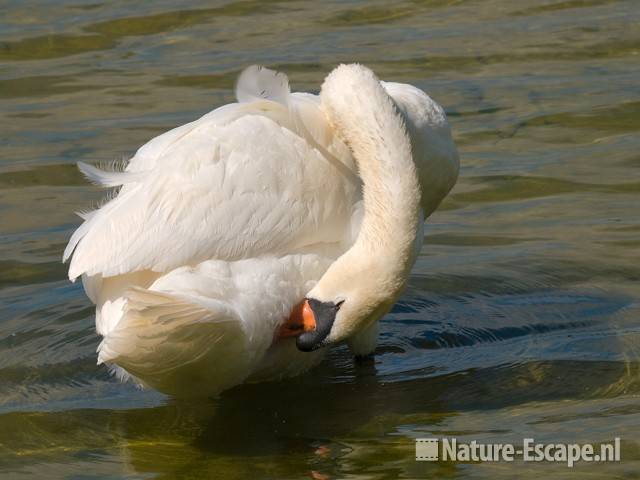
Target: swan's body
222, 225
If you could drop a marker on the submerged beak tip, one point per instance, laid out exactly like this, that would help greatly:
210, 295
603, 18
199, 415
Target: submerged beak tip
306, 343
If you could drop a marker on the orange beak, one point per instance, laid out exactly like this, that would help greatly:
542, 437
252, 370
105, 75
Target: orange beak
300, 321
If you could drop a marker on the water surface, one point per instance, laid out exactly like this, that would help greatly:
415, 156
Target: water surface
521, 318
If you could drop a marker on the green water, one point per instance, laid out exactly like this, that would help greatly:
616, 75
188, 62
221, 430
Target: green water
522, 314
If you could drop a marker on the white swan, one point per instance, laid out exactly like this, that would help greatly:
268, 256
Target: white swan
223, 225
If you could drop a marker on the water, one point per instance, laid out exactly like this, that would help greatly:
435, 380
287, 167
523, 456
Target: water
521, 319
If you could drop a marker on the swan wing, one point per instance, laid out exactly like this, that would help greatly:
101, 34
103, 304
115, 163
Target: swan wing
239, 183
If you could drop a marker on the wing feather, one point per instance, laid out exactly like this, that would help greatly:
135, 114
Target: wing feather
226, 192
257, 83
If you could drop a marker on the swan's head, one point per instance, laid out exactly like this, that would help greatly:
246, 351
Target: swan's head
352, 294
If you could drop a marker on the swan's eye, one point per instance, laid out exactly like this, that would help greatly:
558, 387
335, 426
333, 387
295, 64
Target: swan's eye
339, 304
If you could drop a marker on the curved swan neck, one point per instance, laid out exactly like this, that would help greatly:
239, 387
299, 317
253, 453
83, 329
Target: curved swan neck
365, 117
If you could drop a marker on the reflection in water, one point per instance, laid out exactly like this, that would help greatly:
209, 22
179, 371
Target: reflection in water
280, 428
521, 318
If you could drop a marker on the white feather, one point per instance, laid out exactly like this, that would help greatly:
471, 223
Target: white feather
257, 83
196, 331
108, 179
221, 225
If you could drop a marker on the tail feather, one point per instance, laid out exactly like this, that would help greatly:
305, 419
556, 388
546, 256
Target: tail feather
176, 345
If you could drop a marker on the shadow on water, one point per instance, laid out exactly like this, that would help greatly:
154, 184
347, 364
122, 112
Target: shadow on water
289, 422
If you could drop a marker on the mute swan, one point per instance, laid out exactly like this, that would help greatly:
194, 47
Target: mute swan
242, 243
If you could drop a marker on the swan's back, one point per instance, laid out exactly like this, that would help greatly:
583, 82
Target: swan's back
245, 180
